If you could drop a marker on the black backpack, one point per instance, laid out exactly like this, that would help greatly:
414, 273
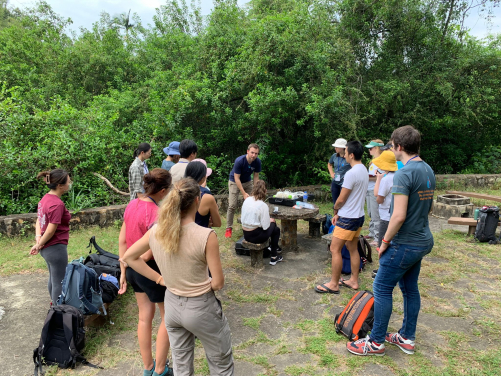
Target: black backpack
487, 223
62, 339
326, 225
102, 261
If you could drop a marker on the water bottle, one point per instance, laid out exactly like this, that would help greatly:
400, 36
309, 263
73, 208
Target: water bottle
305, 196
475, 215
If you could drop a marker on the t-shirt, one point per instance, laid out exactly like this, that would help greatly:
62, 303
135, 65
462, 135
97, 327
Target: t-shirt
372, 173
255, 214
416, 180
167, 165
138, 217
341, 167
203, 220
51, 209
246, 170
385, 187
177, 171
356, 179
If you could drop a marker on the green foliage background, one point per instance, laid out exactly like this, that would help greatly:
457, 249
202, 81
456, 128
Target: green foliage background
291, 75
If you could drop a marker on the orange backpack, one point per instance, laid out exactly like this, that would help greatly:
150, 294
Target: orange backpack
357, 317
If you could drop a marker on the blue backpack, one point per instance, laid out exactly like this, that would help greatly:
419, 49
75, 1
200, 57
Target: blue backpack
365, 252
81, 289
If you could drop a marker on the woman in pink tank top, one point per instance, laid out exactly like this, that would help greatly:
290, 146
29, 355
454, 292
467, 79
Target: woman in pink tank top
139, 215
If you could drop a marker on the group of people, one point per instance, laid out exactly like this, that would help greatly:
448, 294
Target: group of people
400, 199
170, 254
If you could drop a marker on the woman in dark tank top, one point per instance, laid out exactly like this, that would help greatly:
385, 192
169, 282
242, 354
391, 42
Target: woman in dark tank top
208, 209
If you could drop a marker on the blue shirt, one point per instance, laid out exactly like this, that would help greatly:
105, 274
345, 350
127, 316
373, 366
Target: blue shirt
166, 165
341, 167
417, 181
245, 169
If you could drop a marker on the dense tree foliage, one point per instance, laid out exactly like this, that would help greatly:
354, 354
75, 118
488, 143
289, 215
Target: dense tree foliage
291, 75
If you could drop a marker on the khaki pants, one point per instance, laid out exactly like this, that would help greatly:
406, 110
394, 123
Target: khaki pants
233, 199
201, 316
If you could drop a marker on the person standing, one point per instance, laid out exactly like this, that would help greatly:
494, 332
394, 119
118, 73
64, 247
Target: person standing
257, 225
348, 220
188, 151
138, 169
406, 241
372, 206
243, 175
53, 229
173, 154
337, 166
184, 252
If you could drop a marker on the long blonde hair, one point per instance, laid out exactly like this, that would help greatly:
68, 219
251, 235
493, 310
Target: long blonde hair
174, 206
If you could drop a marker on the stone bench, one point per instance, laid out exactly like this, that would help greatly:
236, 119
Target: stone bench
256, 252
314, 225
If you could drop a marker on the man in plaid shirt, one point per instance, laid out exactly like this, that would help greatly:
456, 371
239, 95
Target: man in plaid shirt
138, 169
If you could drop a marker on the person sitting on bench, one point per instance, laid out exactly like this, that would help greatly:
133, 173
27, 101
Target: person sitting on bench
256, 222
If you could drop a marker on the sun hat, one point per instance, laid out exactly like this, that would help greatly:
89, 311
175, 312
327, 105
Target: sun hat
340, 143
209, 170
373, 144
386, 161
172, 149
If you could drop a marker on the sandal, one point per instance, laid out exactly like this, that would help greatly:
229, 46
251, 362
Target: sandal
342, 283
326, 291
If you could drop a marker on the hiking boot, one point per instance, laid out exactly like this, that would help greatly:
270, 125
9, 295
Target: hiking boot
365, 346
228, 233
274, 260
406, 345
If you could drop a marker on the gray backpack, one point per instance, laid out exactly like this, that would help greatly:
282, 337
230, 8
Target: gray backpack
81, 289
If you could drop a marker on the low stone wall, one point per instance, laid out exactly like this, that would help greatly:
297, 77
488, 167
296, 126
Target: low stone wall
23, 224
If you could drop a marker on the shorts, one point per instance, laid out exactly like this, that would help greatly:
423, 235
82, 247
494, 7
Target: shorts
348, 228
140, 283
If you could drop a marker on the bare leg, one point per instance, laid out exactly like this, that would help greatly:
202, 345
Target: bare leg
352, 246
337, 264
144, 326
163, 344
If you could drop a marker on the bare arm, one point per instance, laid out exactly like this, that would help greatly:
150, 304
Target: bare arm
133, 258
208, 205
400, 203
379, 177
214, 262
48, 234
38, 232
343, 197
256, 176
122, 248
239, 185
379, 199
331, 171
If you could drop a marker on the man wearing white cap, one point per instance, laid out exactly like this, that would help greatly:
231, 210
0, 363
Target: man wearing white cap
337, 168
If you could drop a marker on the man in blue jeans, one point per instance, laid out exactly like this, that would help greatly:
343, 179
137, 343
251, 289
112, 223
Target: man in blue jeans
407, 240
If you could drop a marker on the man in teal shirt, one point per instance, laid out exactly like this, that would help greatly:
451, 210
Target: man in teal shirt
407, 240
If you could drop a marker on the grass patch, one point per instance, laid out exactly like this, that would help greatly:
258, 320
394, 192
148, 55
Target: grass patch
253, 322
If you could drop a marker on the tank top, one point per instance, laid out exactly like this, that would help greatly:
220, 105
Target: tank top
185, 272
203, 220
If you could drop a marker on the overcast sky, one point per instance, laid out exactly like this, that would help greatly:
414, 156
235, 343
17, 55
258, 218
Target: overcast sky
85, 12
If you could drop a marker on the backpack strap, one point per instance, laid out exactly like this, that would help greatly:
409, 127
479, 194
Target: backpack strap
68, 334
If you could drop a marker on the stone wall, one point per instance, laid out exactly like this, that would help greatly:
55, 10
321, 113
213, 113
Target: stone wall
24, 224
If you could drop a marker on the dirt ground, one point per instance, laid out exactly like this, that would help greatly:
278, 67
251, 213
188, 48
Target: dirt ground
280, 326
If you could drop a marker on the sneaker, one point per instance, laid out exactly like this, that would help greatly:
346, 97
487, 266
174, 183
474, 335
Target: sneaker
149, 372
274, 260
228, 233
406, 345
167, 372
364, 347
374, 272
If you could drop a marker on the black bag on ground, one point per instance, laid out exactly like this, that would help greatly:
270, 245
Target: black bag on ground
109, 286
62, 340
242, 251
102, 261
487, 223
326, 225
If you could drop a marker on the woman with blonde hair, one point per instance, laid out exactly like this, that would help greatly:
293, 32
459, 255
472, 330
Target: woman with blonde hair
256, 222
184, 252
372, 206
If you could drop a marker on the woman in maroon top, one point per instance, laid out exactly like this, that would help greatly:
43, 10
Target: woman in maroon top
53, 229
139, 215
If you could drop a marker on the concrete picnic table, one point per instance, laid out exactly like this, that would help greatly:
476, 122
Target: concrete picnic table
288, 217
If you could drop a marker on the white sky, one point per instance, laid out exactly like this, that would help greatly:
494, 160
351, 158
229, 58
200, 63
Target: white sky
84, 13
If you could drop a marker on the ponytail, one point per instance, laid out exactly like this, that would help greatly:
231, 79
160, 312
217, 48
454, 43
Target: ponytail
174, 206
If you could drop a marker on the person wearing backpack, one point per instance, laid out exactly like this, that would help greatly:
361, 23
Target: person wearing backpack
184, 252
53, 229
406, 241
139, 215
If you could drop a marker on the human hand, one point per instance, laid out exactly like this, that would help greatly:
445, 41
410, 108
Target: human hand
162, 282
123, 262
123, 284
246, 195
382, 249
379, 175
332, 175
35, 249
272, 220
334, 219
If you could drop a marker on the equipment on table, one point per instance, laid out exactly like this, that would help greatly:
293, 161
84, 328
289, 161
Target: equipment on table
357, 318
488, 218
286, 198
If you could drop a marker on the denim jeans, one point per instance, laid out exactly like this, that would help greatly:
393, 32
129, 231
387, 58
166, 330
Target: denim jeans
335, 191
400, 263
